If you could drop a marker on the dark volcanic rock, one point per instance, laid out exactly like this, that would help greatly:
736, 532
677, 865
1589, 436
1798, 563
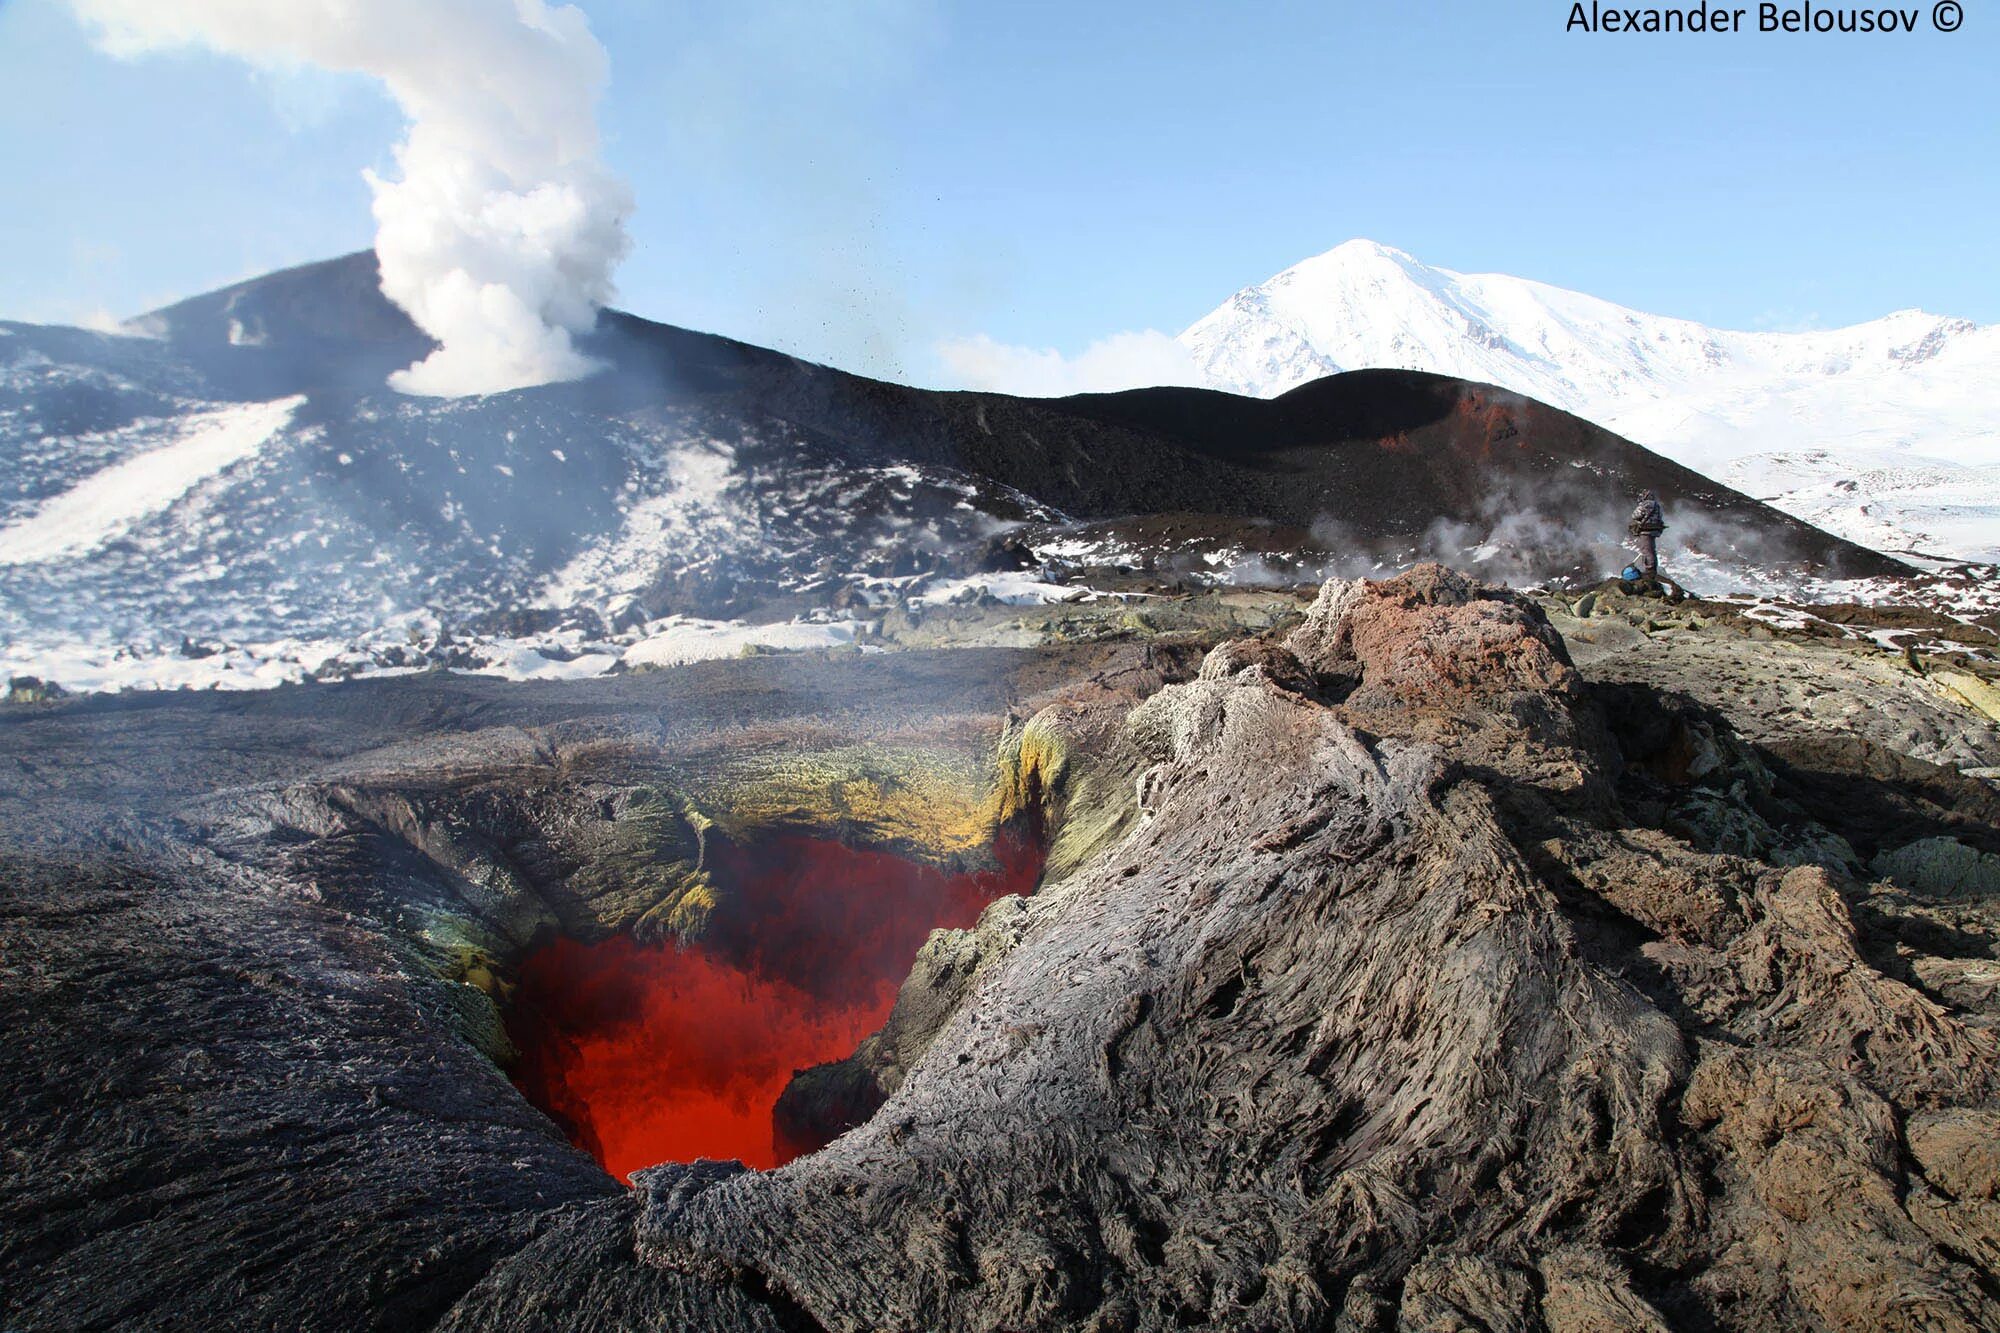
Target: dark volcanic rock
248, 1076
214, 1126
1391, 976
1332, 1039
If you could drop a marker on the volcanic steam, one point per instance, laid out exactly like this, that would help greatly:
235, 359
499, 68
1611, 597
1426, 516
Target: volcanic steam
500, 235
655, 1052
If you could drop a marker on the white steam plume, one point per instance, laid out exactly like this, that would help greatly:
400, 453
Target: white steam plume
500, 235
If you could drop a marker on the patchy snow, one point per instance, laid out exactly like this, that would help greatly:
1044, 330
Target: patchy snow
679, 640
1893, 502
1777, 616
81, 667
1009, 588
107, 504
85, 667
690, 512
532, 661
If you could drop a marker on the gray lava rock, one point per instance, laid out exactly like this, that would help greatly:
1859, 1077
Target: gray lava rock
1389, 984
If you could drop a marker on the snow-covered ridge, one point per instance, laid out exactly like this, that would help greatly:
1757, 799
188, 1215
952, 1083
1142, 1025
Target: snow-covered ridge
59, 664
108, 503
1911, 391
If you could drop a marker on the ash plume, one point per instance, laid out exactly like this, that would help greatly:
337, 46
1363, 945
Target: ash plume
500, 231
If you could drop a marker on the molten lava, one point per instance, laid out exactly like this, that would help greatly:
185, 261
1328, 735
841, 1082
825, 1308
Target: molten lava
648, 1053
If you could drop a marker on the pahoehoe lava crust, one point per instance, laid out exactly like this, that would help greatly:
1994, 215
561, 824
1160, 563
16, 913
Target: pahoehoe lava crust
1385, 975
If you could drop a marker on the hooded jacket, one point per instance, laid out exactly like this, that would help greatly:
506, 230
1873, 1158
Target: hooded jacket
1648, 517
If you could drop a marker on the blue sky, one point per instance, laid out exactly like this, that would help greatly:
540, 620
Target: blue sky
857, 182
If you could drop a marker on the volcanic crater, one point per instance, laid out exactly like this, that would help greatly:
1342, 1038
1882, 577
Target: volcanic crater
679, 1049
1385, 969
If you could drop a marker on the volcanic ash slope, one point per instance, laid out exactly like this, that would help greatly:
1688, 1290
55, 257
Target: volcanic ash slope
1433, 989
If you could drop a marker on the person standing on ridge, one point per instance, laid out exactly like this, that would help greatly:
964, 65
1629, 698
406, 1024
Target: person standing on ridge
1647, 523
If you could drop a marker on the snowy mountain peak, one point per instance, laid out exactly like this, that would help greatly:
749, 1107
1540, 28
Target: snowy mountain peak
1910, 384
1355, 254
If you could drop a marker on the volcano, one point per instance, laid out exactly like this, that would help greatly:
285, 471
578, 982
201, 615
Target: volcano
1074, 889
234, 474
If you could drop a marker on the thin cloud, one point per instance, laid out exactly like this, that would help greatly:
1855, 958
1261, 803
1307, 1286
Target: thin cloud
1121, 361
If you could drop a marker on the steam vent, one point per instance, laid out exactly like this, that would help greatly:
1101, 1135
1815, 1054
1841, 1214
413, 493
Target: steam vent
1426, 956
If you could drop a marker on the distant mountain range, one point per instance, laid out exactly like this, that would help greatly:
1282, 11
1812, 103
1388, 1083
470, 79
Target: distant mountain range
1887, 433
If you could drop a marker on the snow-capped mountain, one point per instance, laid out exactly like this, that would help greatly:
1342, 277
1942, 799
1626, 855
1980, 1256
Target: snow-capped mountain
1887, 432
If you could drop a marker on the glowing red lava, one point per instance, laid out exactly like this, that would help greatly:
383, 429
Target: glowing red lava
648, 1053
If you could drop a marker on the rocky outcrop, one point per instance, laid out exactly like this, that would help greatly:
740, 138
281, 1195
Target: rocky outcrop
1389, 975
1785, 675
1391, 1013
